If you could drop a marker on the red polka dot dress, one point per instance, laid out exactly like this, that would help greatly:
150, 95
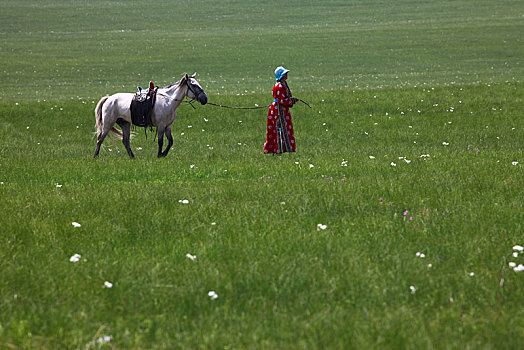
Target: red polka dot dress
280, 136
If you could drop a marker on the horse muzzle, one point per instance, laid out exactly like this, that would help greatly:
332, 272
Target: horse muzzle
202, 98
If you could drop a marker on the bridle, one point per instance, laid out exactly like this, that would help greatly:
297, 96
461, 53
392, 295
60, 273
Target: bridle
191, 88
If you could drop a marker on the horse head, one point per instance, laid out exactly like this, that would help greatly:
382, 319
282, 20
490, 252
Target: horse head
194, 90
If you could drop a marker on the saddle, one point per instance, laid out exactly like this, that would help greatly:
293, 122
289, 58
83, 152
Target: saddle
142, 106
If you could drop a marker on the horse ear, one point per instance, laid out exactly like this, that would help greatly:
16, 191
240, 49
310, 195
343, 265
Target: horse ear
194, 75
186, 76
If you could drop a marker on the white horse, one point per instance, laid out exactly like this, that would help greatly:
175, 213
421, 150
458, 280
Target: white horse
116, 109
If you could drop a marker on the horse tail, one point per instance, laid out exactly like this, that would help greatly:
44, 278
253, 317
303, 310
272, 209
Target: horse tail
98, 116
99, 120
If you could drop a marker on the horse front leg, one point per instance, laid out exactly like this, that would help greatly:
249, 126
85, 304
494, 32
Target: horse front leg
160, 141
169, 141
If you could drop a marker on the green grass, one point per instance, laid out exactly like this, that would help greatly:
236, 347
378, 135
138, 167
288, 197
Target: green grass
65, 49
387, 80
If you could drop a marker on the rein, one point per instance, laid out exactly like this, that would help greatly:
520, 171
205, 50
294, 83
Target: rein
304, 102
231, 107
190, 102
257, 107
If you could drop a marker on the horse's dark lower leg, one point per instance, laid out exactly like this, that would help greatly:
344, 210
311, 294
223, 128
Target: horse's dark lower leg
101, 138
126, 131
160, 143
169, 141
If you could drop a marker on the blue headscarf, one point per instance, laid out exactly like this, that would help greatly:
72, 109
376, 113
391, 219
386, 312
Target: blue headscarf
280, 72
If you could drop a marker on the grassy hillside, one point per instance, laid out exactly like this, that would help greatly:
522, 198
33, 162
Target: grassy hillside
64, 48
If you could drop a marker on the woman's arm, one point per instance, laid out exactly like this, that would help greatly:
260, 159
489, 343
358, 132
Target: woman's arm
279, 93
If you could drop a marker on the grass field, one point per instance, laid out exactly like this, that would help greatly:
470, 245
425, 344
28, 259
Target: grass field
394, 225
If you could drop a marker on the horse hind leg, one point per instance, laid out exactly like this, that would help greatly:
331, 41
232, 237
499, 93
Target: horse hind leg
104, 124
100, 139
105, 130
126, 136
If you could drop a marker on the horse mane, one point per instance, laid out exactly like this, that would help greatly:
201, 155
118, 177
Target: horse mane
178, 83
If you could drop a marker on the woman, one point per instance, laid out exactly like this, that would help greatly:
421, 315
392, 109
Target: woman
280, 136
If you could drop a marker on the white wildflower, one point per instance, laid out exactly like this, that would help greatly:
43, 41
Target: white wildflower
192, 257
519, 268
108, 284
104, 339
212, 295
75, 258
76, 224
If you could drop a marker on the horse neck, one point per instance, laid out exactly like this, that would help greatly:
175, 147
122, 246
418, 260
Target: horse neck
176, 94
